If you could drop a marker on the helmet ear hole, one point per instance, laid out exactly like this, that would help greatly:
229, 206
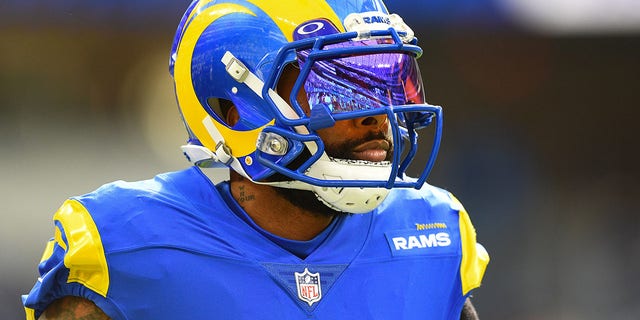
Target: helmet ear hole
221, 107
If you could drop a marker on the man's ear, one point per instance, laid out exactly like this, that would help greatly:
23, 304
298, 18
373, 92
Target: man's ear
222, 109
232, 116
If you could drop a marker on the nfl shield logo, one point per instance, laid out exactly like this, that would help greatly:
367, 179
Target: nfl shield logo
308, 285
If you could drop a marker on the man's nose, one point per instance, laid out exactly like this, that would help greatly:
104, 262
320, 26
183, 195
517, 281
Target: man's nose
373, 122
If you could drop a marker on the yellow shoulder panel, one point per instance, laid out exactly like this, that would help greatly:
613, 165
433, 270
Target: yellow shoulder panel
474, 257
31, 314
48, 250
84, 251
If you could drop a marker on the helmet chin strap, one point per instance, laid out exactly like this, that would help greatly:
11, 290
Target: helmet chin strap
345, 199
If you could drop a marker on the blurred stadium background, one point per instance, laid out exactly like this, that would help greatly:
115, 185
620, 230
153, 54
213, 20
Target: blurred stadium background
540, 142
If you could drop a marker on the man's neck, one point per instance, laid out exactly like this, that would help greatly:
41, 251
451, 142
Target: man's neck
275, 214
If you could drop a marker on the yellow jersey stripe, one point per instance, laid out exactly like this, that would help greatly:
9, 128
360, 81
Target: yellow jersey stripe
48, 250
30, 313
84, 256
474, 257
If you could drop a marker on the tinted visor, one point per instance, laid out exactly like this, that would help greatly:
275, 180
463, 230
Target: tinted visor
362, 82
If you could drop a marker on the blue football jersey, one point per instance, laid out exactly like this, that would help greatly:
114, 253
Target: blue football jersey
173, 248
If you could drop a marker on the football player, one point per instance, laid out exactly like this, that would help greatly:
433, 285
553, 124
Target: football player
315, 106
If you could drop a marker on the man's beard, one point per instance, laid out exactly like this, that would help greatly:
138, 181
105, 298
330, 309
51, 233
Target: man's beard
307, 200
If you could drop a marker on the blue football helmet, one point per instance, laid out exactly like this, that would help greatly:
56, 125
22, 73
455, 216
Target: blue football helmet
354, 59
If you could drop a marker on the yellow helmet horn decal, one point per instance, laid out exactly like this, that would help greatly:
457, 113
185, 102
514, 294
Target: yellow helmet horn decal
240, 142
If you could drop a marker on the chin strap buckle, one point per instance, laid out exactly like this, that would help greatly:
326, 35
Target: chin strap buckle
205, 158
223, 154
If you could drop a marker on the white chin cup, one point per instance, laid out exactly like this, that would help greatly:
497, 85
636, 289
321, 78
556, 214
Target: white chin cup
352, 199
